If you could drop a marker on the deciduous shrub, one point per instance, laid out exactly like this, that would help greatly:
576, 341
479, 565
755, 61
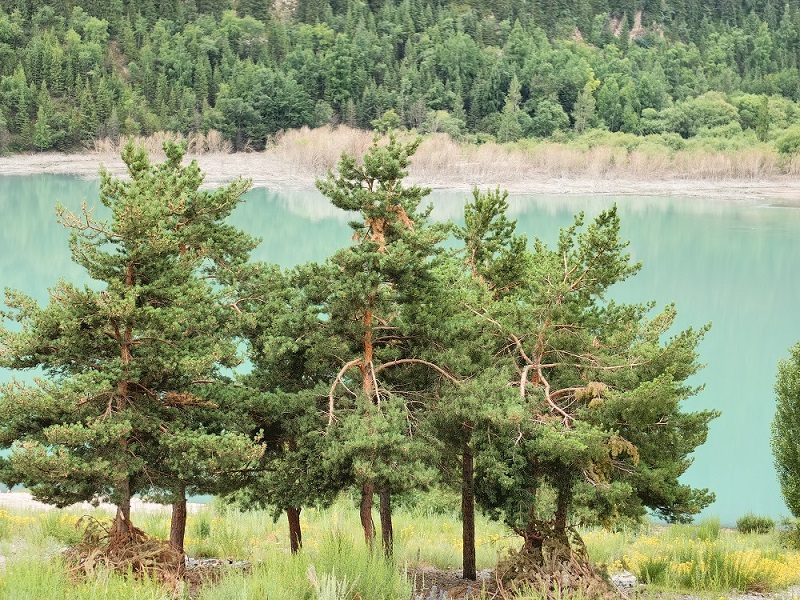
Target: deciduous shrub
789, 142
751, 523
789, 533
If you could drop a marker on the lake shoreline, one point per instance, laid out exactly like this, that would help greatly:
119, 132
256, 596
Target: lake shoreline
276, 170
24, 501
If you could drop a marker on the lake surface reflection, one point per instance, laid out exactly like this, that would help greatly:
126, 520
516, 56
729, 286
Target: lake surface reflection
733, 264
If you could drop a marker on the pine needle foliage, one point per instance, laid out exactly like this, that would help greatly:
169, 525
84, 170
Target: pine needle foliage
379, 313
129, 399
586, 420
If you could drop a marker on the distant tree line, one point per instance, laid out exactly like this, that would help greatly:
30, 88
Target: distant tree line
491, 365
72, 72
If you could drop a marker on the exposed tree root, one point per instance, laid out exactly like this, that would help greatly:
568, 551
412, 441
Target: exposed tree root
103, 547
556, 565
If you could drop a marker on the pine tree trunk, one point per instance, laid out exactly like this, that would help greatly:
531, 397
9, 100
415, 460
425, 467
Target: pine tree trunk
367, 372
549, 537
293, 516
177, 528
468, 513
295, 533
387, 532
122, 528
560, 518
367, 492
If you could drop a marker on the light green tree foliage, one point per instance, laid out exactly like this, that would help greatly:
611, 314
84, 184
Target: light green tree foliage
514, 122
786, 429
595, 425
548, 118
763, 120
377, 311
652, 121
704, 112
42, 135
789, 142
584, 109
388, 121
128, 401
442, 121
4, 135
750, 107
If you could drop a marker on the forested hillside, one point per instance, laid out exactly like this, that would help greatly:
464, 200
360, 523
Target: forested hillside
75, 71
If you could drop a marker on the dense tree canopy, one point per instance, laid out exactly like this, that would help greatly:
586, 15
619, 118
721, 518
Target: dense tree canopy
573, 406
72, 72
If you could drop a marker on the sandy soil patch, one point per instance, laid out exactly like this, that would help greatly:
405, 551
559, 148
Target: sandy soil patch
281, 171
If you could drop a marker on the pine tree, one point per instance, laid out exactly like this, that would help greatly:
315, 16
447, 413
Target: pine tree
511, 127
202, 80
42, 134
595, 422
583, 111
5, 135
375, 315
287, 390
129, 401
87, 113
255, 8
22, 121
763, 120
490, 265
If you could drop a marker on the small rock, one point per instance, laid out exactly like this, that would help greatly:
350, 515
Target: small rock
624, 580
216, 563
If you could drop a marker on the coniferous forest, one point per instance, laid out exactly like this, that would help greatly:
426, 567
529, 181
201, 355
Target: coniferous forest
73, 72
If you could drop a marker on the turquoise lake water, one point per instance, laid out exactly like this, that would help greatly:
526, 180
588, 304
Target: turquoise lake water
734, 264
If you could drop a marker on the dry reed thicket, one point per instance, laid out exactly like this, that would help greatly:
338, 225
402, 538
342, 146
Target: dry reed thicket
315, 151
196, 143
441, 161
440, 158
595, 162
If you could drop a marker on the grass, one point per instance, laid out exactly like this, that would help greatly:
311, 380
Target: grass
700, 557
751, 523
335, 564
337, 569
33, 579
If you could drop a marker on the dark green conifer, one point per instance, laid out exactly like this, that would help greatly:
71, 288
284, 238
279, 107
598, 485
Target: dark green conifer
596, 425
286, 391
491, 263
129, 401
375, 325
